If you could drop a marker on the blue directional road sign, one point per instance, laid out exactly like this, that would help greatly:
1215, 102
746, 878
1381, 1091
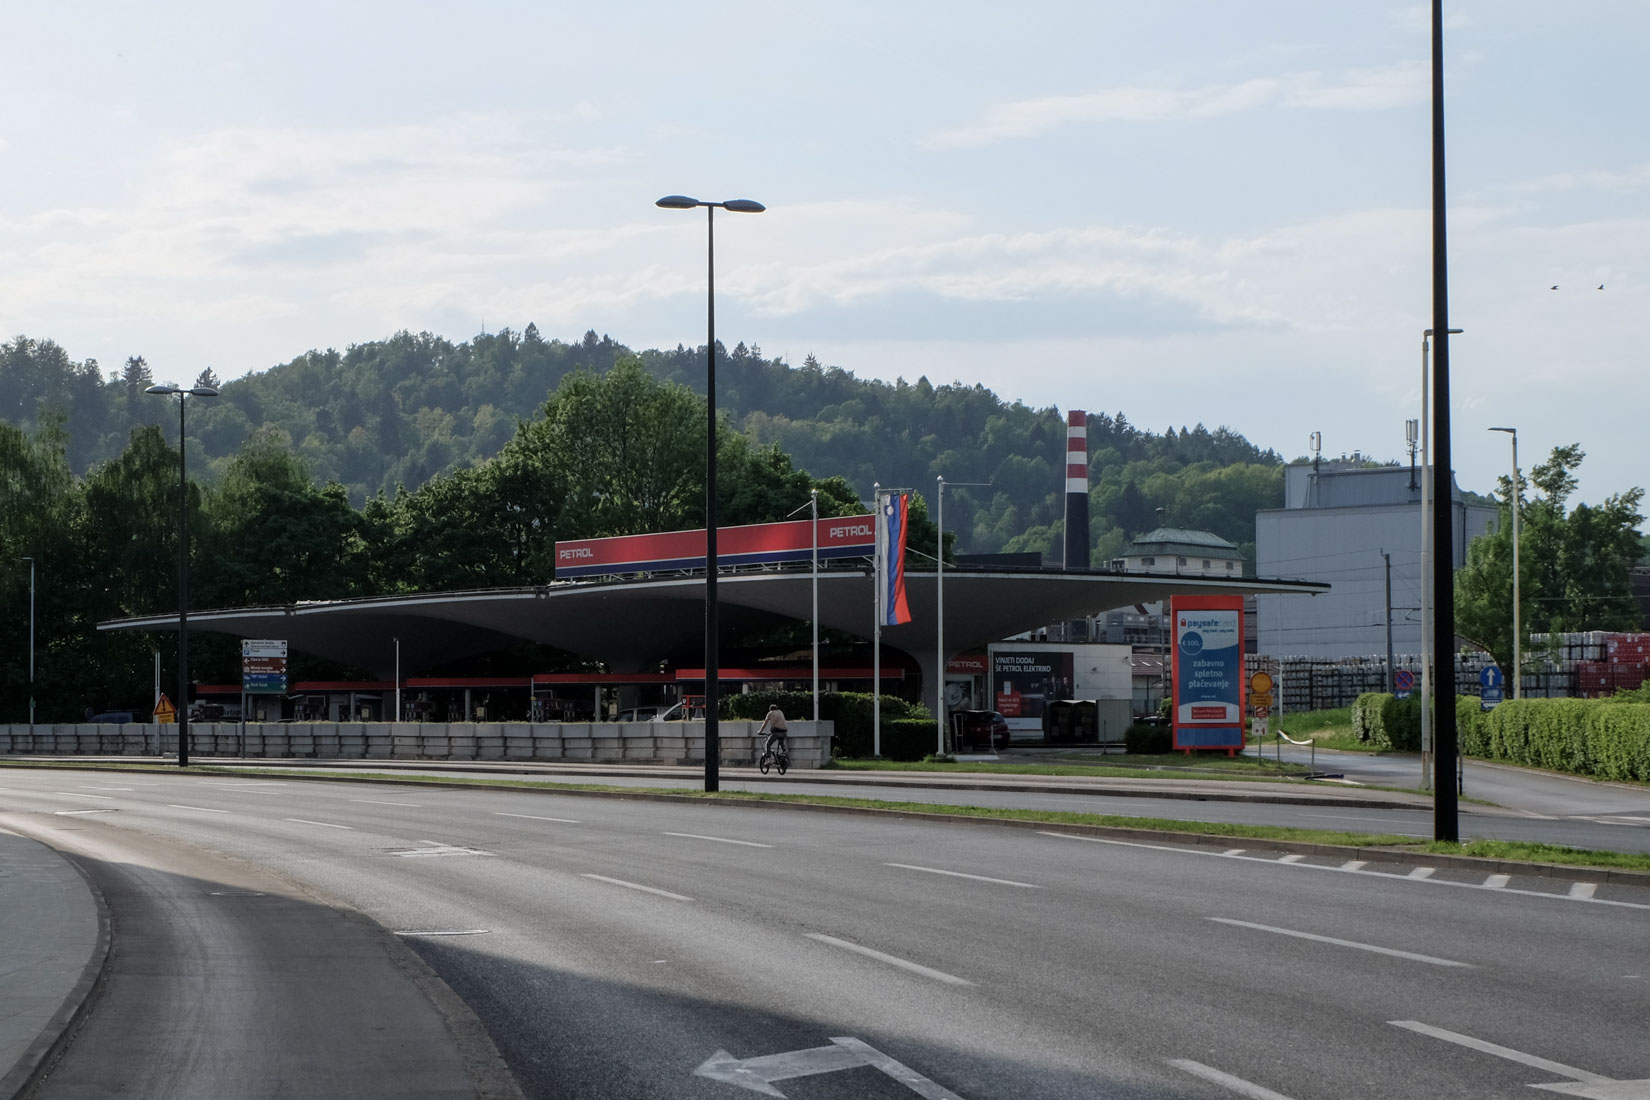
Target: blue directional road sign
1489, 681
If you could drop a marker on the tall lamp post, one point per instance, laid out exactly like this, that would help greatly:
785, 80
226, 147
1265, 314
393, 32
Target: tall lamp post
713, 740
1426, 570
167, 390
1514, 499
939, 604
31, 645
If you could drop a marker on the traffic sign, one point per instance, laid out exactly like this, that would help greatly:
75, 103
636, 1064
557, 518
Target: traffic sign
1263, 712
1260, 699
164, 710
1490, 676
1403, 680
1260, 684
1490, 698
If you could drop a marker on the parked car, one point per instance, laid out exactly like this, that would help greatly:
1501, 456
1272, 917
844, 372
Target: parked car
979, 730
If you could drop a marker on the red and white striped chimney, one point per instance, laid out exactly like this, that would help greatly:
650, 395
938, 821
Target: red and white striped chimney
1077, 489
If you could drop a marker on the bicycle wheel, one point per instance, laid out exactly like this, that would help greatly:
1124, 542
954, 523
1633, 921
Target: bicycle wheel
766, 762
783, 761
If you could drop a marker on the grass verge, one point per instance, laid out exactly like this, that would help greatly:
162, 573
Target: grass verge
1165, 766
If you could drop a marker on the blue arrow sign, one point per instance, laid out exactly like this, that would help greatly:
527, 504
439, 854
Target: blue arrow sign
1489, 676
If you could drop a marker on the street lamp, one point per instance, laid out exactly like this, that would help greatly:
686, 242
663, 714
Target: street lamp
168, 390
713, 741
939, 603
1514, 498
31, 646
1426, 571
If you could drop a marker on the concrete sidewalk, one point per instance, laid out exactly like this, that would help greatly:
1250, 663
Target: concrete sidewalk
56, 938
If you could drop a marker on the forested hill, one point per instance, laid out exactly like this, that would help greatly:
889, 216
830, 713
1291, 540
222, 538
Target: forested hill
400, 411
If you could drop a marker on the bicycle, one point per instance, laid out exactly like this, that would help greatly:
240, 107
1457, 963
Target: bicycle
775, 755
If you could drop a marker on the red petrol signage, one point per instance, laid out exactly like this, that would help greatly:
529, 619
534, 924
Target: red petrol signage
756, 544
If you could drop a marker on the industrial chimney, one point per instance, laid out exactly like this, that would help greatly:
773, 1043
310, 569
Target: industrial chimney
1077, 489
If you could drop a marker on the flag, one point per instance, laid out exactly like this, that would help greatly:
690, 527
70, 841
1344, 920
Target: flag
895, 511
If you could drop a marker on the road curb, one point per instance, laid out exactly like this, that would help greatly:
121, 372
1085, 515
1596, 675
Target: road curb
37, 1060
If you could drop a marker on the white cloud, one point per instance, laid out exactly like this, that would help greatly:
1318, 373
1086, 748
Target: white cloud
1358, 90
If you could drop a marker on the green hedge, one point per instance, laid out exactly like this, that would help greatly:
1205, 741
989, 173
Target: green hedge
1387, 721
1148, 740
1606, 738
851, 712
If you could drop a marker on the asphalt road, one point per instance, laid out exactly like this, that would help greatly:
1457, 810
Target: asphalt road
1501, 803
619, 948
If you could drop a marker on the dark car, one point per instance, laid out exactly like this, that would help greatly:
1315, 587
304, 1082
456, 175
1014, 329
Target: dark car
979, 730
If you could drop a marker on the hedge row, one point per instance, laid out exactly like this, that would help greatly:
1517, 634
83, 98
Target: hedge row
1605, 738
852, 712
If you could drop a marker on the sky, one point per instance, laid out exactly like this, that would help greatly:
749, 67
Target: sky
1186, 211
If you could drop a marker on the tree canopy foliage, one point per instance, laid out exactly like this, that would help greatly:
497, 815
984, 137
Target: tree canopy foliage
1573, 563
388, 416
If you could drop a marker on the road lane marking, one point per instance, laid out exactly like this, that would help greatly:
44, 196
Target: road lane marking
1531, 1060
258, 786
1583, 889
1355, 865
99, 797
1236, 1084
758, 1074
202, 809
444, 932
1394, 952
536, 817
1292, 858
322, 824
1497, 882
1413, 876
638, 886
891, 960
437, 848
959, 874
380, 802
1234, 851
720, 840
108, 788
73, 813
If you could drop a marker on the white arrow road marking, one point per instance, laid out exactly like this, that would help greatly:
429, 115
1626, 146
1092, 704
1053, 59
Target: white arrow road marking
757, 1074
1394, 952
1236, 1084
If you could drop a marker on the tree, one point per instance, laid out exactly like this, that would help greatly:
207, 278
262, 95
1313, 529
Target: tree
1574, 565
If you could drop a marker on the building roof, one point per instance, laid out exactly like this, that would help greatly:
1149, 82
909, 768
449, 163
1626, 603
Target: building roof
633, 623
1180, 540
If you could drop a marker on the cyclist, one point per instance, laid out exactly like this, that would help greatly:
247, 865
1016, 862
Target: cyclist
777, 731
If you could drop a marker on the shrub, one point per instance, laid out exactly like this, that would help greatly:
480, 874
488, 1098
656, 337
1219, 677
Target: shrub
1148, 740
908, 738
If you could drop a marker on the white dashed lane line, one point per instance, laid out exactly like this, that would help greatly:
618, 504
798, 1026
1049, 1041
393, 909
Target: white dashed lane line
960, 874
1392, 951
638, 886
1226, 1080
536, 817
322, 824
201, 809
891, 960
720, 840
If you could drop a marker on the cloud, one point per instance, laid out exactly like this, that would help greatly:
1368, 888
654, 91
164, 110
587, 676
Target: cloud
1357, 90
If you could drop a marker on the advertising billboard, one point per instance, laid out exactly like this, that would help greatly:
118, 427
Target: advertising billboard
1024, 682
755, 544
1208, 672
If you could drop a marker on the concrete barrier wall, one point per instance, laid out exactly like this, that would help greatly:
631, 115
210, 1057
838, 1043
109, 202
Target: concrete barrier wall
583, 742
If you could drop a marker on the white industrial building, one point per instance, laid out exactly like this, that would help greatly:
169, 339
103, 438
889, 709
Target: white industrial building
1336, 522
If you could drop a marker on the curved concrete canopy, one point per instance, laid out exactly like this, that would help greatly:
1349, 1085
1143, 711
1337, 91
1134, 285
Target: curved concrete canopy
632, 624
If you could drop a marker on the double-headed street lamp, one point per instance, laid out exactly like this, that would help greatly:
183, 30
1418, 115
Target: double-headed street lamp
713, 741
1514, 497
167, 390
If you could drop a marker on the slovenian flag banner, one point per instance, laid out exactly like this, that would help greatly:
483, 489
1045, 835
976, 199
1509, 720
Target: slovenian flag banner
895, 511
